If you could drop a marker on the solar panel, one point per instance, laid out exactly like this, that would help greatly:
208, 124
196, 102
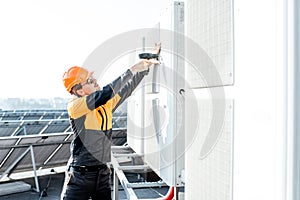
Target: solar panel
57, 126
12, 116
61, 157
64, 116
21, 110
6, 142
31, 127
42, 139
51, 115
43, 147
33, 116
14, 156
8, 128
41, 152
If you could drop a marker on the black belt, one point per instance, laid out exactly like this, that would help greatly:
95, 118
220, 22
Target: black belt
88, 168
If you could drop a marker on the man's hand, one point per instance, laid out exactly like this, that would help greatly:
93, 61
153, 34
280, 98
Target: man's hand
143, 65
146, 63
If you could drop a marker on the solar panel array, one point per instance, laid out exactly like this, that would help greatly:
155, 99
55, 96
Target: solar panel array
46, 134
28, 122
17, 123
44, 147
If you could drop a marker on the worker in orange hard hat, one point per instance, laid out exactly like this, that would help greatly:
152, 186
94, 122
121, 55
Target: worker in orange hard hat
75, 75
90, 112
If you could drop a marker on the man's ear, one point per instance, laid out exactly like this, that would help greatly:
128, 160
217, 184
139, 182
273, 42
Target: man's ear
80, 92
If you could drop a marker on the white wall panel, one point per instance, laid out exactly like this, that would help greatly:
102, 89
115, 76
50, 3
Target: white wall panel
208, 178
209, 23
259, 92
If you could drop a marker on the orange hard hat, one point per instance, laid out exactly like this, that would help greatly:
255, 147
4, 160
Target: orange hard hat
75, 75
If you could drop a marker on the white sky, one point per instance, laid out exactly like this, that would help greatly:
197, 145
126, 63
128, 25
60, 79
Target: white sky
39, 40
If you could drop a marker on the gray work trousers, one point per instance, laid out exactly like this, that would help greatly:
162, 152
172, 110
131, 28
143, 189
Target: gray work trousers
83, 185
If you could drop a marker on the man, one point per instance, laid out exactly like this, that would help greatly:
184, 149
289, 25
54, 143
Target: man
91, 119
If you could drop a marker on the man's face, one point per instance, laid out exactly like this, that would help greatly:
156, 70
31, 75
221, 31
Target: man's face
90, 86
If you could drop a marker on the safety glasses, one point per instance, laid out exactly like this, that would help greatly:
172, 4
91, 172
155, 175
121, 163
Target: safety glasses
89, 81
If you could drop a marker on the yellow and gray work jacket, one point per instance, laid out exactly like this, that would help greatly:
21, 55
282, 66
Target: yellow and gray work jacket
91, 120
